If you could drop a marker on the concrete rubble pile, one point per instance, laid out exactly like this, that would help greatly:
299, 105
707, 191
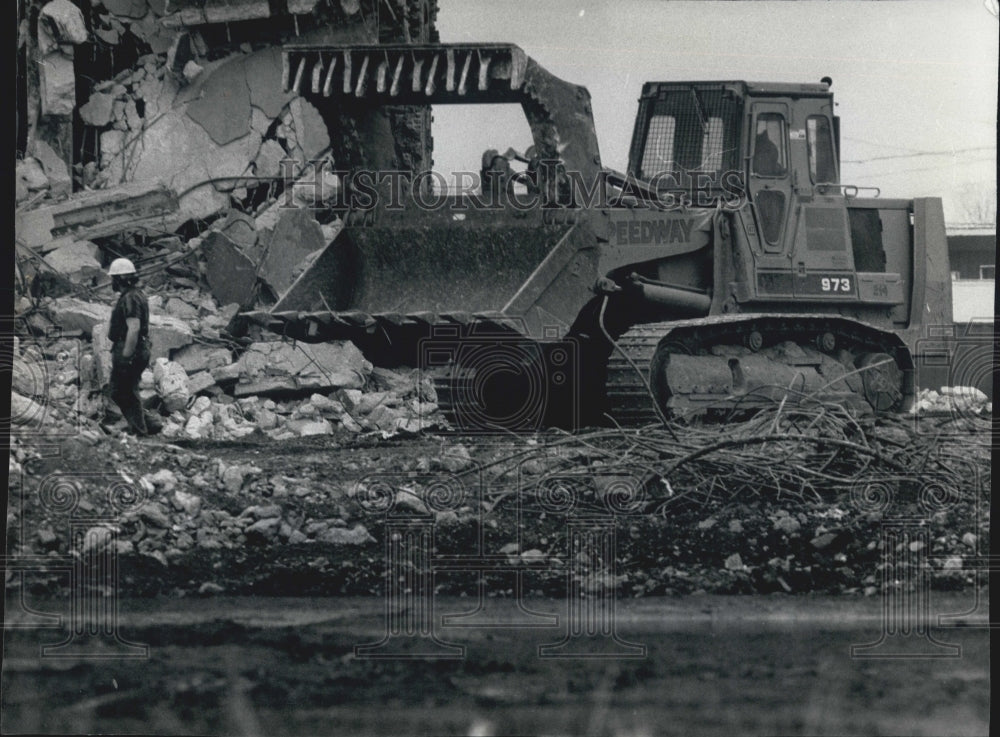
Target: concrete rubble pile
161, 131
965, 400
209, 389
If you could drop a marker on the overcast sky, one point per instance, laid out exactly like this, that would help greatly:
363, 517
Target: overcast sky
915, 81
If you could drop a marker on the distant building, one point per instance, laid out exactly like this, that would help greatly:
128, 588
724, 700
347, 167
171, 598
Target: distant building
972, 251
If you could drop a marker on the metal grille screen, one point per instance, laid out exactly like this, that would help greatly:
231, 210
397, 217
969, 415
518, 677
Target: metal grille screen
692, 130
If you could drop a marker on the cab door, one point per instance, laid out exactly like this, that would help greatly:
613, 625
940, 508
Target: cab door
821, 254
769, 174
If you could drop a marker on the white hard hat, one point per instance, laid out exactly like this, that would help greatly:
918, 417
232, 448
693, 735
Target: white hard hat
121, 266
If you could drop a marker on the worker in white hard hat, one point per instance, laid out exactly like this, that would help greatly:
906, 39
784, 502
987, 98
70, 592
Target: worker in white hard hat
129, 336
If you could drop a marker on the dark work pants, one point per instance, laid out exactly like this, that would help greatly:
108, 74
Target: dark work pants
124, 386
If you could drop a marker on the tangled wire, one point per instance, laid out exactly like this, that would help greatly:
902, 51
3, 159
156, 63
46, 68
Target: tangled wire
820, 451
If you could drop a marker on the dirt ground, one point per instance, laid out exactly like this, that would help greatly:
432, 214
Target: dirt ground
712, 665
251, 630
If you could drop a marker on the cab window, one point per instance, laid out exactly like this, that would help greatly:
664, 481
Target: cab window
658, 156
822, 167
770, 155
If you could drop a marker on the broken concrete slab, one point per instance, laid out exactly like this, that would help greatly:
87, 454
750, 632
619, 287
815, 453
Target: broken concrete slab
179, 308
30, 172
167, 334
231, 275
310, 128
199, 382
127, 8
263, 77
201, 357
296, 236
171, 382
57, 82
268, 161
70, 313
239, 228
150, 30
98, 110
90, 215
283, 368
60, 181
64, 22
218, 11
223, 109
225, 374
77, 259
179, 150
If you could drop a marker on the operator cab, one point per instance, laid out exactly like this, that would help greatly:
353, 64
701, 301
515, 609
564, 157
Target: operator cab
769, 154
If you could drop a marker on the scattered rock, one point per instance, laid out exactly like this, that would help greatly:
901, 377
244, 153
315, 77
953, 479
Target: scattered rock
305, 428
456, 458
190, 503
171, 384
259, 512
154, 514
47, 537
98, 110
408, 500
232, 478
787, 524
734, 563
267, 528
192, 69
357, 535
823, 540
164, 479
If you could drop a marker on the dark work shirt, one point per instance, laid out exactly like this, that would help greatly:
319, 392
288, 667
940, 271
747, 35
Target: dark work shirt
132, 303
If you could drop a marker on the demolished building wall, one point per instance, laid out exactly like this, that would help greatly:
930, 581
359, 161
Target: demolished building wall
184, 91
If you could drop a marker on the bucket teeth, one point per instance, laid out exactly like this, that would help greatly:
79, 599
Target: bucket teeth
299, 72
317, 75
328, 82
434, 70
464, 79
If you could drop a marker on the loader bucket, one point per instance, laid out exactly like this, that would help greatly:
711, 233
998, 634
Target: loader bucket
450, 267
